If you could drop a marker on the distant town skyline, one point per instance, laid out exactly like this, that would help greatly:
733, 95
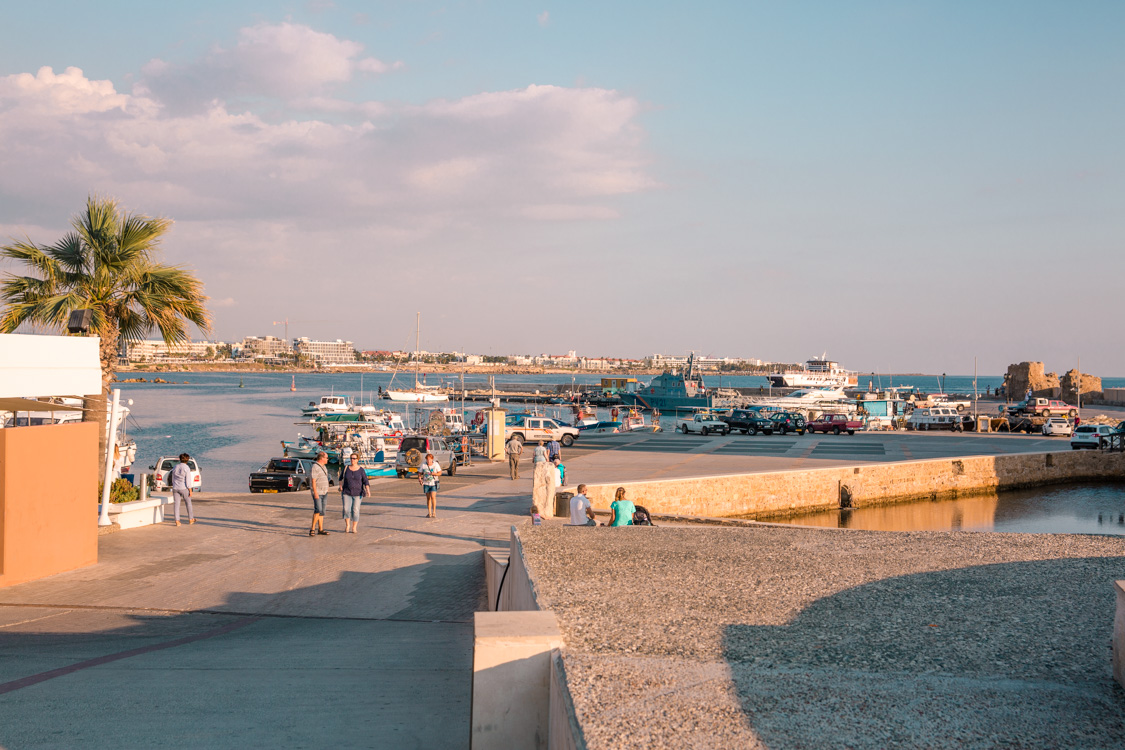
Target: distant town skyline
903, 186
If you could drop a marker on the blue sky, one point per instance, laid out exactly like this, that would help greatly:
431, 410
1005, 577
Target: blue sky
906, 185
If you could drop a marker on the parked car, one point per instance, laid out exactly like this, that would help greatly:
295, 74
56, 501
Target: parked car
1089, 435
943, 399
834, 423
743, 419
934, 418
704, 424
1045, 407
282, 475
784, 421
527, 428
1058, 426
163, 467
448, 452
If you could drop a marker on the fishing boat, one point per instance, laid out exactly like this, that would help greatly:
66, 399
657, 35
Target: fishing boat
672, 391
817, 372
420, 393
330, 404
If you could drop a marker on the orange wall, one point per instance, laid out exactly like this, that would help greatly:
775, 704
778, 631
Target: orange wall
48, 500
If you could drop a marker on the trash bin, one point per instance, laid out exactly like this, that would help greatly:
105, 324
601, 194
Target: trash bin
984, 424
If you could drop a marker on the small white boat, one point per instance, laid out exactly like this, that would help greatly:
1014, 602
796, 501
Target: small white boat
418, 395
331, 404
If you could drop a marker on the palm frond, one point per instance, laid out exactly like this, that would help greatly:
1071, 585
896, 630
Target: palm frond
69, 254
31, 255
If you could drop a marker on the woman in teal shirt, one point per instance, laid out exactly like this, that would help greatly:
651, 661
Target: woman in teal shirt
622, 509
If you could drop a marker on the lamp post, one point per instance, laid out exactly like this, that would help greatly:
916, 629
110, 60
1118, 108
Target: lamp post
111, 443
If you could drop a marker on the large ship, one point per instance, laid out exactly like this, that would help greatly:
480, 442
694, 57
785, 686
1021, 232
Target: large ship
817, 373
672, 391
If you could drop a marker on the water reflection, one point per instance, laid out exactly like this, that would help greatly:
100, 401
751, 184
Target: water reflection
1071, 509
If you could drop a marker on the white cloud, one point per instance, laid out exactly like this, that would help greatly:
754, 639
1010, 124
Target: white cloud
275, 60
544, 18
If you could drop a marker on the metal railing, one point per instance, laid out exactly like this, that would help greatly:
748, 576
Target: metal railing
1113, 442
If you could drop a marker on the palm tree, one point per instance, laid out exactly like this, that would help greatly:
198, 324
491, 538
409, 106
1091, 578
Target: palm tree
106, 264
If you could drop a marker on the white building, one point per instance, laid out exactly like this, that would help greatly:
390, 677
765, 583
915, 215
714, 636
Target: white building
264, 347
149, 351
329, 352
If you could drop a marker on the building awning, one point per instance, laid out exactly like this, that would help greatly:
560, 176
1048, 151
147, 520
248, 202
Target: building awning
28, 404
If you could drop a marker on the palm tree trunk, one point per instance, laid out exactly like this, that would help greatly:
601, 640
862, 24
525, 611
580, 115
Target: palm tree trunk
96, 407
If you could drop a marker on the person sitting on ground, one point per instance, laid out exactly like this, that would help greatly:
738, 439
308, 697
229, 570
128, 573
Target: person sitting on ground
622, 509
536, 519
581, 513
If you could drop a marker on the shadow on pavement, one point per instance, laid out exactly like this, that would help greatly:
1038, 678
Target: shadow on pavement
1013, 654
306, 678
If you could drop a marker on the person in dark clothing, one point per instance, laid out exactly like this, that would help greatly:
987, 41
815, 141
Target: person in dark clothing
354, 486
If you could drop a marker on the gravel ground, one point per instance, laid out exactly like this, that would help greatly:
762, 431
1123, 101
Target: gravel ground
795, 637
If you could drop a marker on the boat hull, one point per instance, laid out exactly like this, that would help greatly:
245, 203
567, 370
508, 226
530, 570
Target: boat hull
667, 404
416, 397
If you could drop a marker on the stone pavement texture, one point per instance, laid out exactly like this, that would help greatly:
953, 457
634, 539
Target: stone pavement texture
774, 637
242, 630
247, 632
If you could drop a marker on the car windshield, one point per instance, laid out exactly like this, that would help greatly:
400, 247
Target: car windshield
412, 443
167, 464
282, 464
1085, 429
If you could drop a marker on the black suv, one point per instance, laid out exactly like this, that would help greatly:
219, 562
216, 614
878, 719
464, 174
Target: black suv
742, 419
784, 421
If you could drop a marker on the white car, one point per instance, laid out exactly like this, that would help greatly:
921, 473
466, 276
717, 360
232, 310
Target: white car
163, 467
1089, 435
704, 424
528, 428
1058, 426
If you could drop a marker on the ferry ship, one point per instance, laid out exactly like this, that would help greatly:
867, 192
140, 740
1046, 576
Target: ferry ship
817, 373
672, 391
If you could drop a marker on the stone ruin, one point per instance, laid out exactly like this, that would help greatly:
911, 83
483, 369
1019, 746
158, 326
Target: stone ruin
1030, 375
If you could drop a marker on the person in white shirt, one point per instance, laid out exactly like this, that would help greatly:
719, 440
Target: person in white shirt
581, 514
428, 475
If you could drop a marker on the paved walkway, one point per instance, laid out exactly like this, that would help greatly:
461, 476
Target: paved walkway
241, 630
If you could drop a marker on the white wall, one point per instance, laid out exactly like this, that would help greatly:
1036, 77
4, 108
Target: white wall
39, 366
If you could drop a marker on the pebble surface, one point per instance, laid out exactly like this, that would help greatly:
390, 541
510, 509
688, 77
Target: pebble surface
781, 637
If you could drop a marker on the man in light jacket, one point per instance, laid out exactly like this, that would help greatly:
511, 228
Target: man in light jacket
514, 449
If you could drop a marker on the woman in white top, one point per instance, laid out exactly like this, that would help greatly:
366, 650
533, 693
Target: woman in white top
429, 474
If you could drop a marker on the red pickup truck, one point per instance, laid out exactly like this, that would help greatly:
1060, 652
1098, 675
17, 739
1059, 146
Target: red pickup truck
834, 423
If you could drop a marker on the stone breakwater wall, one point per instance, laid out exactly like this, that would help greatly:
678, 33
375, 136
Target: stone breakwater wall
787, 492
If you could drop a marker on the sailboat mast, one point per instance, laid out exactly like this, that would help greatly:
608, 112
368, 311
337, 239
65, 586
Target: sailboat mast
417, 345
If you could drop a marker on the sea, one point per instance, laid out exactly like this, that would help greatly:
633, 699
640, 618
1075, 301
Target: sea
233, 423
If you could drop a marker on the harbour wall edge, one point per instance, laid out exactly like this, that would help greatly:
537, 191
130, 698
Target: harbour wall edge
765, 494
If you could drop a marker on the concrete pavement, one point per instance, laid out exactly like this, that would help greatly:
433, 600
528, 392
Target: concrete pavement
242, 630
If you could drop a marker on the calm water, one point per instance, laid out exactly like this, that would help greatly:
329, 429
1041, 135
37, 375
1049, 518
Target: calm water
1071, 509
235, 430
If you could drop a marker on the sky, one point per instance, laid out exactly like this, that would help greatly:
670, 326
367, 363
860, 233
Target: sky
905, 186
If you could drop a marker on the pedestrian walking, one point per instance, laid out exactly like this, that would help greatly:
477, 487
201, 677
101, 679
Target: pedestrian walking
318, 485
179, 479
514, 449
543, 479
429, 474
354, 486
554, 450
